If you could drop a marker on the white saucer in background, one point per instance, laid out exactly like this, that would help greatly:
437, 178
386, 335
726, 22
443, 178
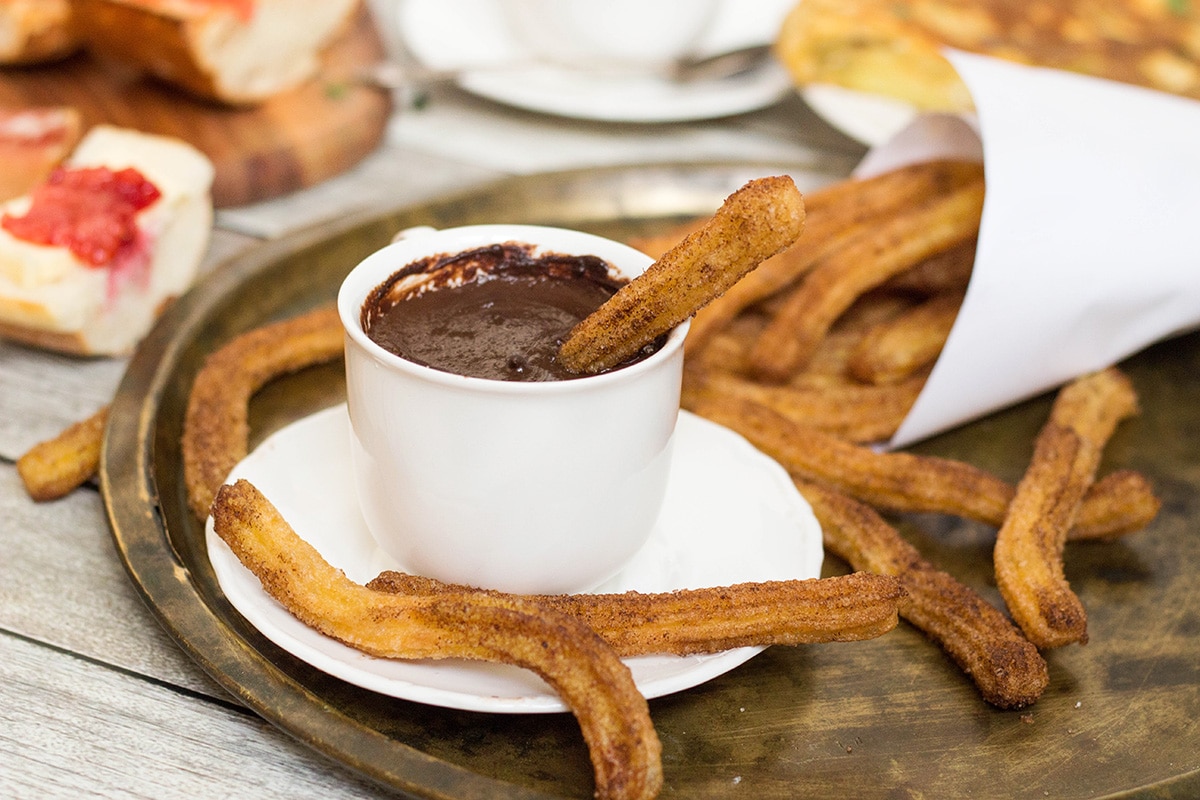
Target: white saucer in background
466, 34
731, 515
870, 119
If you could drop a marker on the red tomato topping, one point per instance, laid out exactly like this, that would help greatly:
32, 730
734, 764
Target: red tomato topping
90, 211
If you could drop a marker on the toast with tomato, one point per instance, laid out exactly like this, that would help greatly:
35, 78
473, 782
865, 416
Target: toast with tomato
92, 255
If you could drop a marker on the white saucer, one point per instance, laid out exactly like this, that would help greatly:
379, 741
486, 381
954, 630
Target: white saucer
731, 515
472, 35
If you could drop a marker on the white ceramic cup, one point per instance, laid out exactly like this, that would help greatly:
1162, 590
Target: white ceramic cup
619, 35
535, 487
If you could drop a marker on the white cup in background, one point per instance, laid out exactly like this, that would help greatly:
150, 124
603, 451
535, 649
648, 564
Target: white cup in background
618, 35
525, 487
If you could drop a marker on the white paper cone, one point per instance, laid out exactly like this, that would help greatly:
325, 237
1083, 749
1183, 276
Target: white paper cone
1090, 242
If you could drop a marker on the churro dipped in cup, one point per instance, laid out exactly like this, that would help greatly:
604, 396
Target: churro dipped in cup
488, 479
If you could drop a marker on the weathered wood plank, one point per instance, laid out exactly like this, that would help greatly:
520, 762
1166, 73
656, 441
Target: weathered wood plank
62, 583
70, 727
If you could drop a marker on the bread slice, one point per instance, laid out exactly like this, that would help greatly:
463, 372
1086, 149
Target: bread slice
239, 52
51, 298
894, 49
35, 31
34, 141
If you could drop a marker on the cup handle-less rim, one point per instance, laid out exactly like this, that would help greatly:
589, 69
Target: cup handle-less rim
413, 243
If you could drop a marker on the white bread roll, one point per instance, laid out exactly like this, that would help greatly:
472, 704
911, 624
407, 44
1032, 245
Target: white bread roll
238, 52
50, 298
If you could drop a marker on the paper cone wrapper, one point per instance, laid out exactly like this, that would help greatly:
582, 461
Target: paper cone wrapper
1089, 248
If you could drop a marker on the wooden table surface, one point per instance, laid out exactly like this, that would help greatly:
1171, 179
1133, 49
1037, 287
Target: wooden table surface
95, 699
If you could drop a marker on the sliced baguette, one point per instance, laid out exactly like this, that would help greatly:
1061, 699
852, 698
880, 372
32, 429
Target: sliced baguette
239, 52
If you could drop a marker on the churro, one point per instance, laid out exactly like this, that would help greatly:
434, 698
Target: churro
53, 468
839, 609
1120, 503
899, 347
1029, 547
581, 668
855, 412
1005, 666
885, 250
949, 271
755, 222
836, 214
216, 427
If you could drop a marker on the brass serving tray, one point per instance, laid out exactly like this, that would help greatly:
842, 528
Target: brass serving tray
886, 718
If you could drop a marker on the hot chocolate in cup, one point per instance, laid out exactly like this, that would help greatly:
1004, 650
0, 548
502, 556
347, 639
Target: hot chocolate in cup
544, 486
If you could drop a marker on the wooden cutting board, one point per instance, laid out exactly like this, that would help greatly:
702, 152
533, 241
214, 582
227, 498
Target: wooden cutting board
292, 141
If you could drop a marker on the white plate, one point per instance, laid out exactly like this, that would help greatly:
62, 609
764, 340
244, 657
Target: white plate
731, 515
869, 118
471, 35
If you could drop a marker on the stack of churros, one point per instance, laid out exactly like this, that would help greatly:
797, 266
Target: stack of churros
812, 356
841, 328
822, 351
